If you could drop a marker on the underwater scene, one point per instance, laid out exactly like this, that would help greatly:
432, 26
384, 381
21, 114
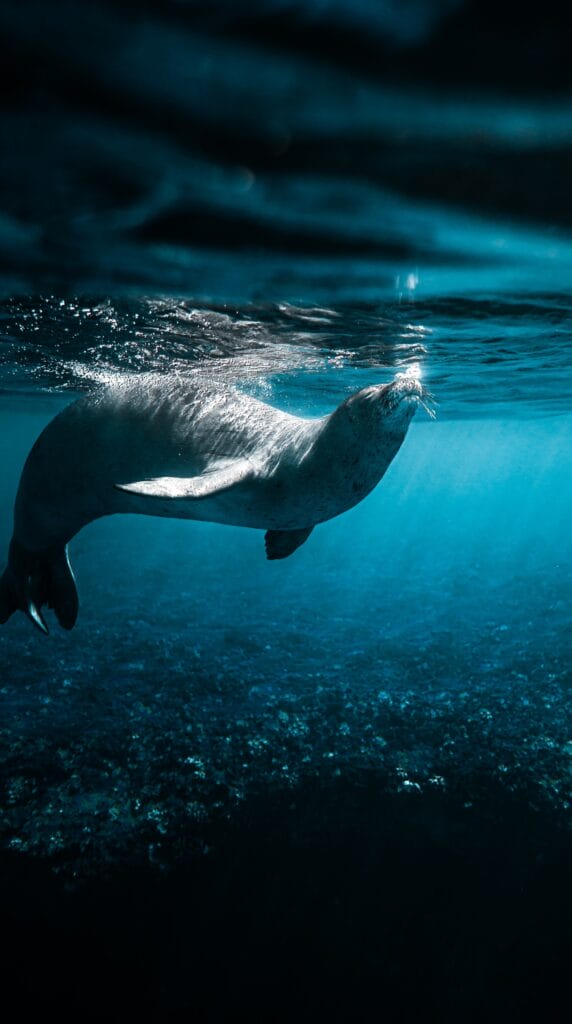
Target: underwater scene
300, 749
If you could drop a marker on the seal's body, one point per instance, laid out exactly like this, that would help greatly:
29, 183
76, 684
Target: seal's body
159, 445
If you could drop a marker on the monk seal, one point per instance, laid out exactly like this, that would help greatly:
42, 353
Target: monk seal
165, 446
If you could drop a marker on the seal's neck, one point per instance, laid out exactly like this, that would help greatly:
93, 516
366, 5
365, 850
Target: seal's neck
373, 423
357, 443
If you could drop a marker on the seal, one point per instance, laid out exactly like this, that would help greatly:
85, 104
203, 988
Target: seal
166, 446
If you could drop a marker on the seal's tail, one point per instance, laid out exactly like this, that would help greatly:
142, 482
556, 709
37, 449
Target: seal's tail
32, 580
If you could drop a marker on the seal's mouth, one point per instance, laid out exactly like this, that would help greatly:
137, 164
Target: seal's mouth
410, 390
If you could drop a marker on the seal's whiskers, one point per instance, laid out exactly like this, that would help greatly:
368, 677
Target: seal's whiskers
432, 414
427, 401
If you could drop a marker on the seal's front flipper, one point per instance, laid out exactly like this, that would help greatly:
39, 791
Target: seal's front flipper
208, 485
32, 580
281, 543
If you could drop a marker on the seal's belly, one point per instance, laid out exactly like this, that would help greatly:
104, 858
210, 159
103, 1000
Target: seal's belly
262, 504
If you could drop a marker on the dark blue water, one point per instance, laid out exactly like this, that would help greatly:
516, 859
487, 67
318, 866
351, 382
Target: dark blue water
423, 636
337, 784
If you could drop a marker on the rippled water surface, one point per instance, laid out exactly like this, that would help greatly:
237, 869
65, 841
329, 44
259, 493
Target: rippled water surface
480, 355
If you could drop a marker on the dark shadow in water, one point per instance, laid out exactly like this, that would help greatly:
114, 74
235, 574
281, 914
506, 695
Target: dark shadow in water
124, 123
342, 906
201, 226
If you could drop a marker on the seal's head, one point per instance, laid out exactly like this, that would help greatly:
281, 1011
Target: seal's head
391, 406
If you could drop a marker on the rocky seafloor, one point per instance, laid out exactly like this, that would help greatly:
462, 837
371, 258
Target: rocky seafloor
133, 745
293, 804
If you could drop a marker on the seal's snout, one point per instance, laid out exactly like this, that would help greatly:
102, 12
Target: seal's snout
396, 402
408, 393
407, 387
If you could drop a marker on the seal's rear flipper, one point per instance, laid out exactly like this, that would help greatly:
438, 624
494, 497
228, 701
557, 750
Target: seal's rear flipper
281, 543
18, 596
8, 597
35, 616
32, 580
62, 591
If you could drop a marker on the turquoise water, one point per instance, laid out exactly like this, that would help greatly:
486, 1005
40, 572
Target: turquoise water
422, 637
350, 767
